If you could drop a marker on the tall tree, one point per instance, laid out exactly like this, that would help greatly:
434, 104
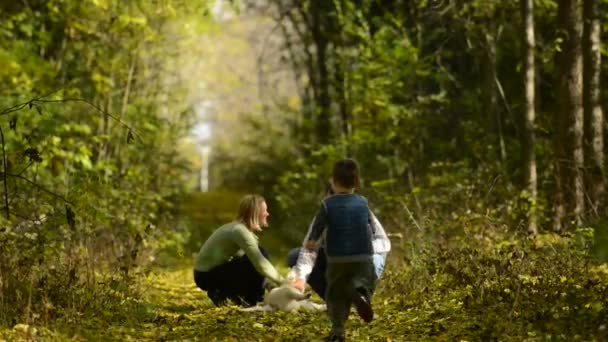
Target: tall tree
528, 138
594, 116
490, 84
318, 15
569, 158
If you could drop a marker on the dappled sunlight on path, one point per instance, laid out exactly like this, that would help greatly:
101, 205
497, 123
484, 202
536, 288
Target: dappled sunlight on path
172, 308
181, 312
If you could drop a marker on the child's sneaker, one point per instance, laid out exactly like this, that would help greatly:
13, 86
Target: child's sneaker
363, 304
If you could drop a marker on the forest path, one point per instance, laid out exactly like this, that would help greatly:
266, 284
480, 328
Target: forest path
178, 311
171, 308
174, 309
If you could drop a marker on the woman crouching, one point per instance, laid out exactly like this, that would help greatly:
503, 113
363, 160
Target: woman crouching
231, 265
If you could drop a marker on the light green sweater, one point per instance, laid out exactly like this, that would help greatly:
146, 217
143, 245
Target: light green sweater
234, 240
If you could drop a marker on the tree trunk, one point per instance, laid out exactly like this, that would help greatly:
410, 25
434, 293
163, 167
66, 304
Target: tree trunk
569, 165
341, 97
491, 90
302, 41
594, 116
528, 137
324, 101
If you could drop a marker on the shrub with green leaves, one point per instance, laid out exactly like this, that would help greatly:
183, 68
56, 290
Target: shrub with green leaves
489, 284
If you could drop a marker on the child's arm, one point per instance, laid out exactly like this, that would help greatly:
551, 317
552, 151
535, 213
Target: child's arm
316, 231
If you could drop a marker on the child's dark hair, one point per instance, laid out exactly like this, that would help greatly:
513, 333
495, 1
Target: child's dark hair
346, 173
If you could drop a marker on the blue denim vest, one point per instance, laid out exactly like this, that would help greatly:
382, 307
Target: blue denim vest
349, 235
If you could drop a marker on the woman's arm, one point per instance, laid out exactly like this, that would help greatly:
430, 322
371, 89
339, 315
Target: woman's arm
380, 241
248, 242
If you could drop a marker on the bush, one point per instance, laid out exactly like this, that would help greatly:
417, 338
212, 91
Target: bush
490, 284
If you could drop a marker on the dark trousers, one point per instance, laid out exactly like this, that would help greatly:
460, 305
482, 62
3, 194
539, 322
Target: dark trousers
317, 279
344, 279
236, 280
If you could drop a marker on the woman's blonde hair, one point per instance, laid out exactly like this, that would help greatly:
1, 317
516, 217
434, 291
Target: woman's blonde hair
249, 210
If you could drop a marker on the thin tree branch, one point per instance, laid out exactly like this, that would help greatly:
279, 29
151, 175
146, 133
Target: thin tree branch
409, 213
20, 106
38, 186
101, 111
125, 99
14, 108
7, 210
42, 100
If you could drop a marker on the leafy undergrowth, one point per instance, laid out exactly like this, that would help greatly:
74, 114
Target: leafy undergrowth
483, 286
173, 309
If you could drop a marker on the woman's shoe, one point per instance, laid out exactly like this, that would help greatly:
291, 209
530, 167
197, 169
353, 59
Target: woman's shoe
217, 299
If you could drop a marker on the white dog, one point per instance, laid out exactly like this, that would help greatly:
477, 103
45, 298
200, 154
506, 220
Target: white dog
287, 298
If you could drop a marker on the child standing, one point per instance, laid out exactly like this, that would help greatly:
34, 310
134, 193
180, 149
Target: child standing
344, 219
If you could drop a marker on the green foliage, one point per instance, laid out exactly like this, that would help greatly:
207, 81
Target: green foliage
427, 96
205, 212
600, 241
91, 121
96, 96
487, 284
300, 189
484, 284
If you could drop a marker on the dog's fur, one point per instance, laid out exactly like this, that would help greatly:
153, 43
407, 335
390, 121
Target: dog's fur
287, 298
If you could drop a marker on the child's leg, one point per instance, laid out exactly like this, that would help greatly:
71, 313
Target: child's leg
338, 295
365, 276
364, 281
